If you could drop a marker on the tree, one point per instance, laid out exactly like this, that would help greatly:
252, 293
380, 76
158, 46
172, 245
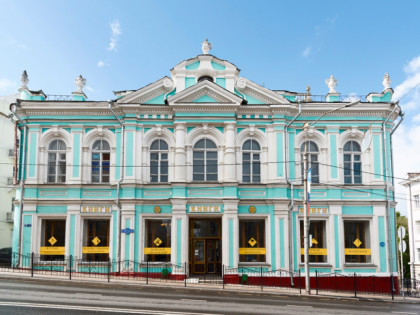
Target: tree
403, 221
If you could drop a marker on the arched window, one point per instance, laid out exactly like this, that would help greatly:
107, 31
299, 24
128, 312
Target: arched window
205, 161
205, 78
101, 155
57, 162
159, 161
312, 150
251, 164
352, 163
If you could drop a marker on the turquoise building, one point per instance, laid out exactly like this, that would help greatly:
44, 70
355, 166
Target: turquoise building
204, 167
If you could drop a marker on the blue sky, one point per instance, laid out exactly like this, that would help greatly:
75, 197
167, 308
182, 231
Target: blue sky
119, 45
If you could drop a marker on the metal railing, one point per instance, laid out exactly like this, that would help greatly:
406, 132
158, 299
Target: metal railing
152, 272
52, 97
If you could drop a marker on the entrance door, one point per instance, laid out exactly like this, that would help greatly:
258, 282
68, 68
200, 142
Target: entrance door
205, 246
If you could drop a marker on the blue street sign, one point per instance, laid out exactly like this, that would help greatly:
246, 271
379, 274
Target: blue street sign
27, 225
127, 231
382, 244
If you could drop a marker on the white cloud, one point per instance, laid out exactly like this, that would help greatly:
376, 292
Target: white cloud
115, 34
307, 52
100, 64
406, 140
7, 86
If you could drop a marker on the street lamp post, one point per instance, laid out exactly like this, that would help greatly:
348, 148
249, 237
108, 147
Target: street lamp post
306, 222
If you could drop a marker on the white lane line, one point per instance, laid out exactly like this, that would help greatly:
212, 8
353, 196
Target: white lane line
300, 306
97, 309
191, 300
404, 313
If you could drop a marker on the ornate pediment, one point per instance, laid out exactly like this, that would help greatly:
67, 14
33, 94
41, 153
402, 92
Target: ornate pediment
154, 93
205, 92
256, 94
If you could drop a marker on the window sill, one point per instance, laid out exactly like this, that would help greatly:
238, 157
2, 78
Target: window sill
366, 265
253, 264
319, 265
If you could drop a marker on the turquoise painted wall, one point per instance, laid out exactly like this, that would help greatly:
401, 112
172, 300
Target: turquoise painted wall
193, 66
127, 240
292, 155
32, 154
280, 157
205, 99
118, 155
282, 242
189, 81
382, 249
357, 210
333, 150
377, 156
76, 155
129, 158
27, 237
221, 82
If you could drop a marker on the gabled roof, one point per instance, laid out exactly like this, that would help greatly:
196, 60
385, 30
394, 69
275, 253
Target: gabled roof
255, 91
205, 92
155, 90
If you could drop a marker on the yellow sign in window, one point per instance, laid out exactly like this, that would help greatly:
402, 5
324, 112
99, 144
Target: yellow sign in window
251, 251
157, 250
96, 241
357, 251
157, 241
315, 251
52, 240
47, 250
95, 250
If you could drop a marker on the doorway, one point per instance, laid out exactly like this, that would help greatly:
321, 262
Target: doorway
205, 246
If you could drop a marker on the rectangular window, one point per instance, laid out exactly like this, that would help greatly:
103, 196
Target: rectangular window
252, 241
96, 240
158, 240
357, 242
417, 201
417, 227
53, 234
318, 250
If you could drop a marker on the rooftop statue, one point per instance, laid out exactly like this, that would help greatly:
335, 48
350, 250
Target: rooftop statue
206, 46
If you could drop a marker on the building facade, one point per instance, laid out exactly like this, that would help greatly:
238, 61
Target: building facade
7, 161
204, 168
413, 210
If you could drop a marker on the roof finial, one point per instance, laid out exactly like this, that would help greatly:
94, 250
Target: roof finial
386, 82
24, 80
80, 83
206, 46
331, 83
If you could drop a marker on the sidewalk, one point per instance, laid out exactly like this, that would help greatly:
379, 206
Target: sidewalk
120, 281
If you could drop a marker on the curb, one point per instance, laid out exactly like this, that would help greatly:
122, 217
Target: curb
121, 284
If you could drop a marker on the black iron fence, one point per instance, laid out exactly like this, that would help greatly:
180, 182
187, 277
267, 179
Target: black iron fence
71, 267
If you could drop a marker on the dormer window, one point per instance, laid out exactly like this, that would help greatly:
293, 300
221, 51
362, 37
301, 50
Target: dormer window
205, 77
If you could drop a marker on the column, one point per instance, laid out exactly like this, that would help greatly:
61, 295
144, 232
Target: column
230, 234
130, 154
179, 232
32, 156
77, 170
180, 169
332, 157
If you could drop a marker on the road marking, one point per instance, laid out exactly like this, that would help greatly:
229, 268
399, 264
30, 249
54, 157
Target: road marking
404, 313
191, 300
98, 309
300, 306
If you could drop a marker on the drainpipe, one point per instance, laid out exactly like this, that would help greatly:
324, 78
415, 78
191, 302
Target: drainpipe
411, 239
22, 175
119, 216
292, 202
388, 207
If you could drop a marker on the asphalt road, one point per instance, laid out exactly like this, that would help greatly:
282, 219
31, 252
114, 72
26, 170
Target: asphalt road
29, 297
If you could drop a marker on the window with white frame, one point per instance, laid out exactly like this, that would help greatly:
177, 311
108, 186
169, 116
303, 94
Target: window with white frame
417, 201
352, 163
357, 242
159, 161
101, 154
318, 248
53, 234
313, 152
252, 240
251, 162
205, 161
57, 162
96, 240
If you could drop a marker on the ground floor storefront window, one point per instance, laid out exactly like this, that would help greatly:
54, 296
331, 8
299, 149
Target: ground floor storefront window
357, 242
252, 240
96, 240
53, 235
158, 240
318, 248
